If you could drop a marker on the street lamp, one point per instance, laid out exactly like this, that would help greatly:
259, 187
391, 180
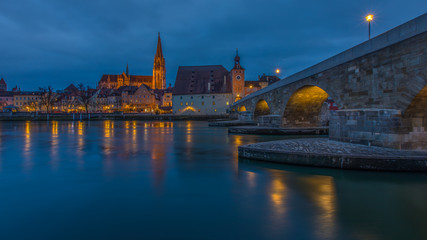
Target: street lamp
369, 18
277, 71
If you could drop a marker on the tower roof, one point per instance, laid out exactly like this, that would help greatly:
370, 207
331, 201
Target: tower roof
237, 58
159, 52
2, 81
237, 61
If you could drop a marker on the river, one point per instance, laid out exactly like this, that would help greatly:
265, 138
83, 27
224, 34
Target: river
183, 180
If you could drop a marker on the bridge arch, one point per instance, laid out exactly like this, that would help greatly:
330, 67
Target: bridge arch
242, 108
261, 108
308, 106
418, 106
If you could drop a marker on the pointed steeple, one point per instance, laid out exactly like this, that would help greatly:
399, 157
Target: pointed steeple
159, 68
159, 52
237, 60
127, 69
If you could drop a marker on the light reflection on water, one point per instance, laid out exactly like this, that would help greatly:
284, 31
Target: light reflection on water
130, 179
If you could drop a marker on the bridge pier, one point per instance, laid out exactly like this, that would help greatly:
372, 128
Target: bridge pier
378, 127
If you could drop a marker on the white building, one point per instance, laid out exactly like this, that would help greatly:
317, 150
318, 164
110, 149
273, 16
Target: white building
207, 90
203, 104
202, 90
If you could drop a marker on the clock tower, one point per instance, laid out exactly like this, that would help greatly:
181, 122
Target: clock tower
237, 79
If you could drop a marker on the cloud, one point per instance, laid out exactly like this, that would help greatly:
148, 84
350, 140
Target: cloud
51, 42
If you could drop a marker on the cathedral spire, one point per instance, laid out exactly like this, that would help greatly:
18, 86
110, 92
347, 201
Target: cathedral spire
159, 68
159, 52
127, 69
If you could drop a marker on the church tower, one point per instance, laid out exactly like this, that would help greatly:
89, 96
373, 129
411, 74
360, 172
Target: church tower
159, 69
237, 79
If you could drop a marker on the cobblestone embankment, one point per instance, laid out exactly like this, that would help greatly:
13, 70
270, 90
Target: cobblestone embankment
321, 152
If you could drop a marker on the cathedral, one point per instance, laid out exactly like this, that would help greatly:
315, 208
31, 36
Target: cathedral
157, 81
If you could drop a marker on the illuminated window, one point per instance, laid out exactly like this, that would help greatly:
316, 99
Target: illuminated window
191, 103
215, 110
228, 103
213, 103
186, 103
181, 103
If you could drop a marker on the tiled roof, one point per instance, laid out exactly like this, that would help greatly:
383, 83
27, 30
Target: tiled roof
71, 88
6, 94
195, 80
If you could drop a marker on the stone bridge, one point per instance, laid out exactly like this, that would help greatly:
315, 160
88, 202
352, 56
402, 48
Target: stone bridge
374, 93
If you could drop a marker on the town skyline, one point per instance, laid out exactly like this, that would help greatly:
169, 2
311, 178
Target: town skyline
60, 49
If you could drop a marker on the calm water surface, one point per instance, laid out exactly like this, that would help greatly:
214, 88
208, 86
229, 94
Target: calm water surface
183, 180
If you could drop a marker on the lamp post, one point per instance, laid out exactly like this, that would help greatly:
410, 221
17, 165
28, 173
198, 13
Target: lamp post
369, 18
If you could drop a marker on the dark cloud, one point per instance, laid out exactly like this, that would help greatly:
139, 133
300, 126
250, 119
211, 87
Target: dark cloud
51, 42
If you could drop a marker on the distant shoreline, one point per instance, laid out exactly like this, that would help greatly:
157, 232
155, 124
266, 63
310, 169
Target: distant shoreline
23, 116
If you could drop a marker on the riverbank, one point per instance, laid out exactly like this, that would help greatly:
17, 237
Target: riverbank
18, 116
231, 123
321, 152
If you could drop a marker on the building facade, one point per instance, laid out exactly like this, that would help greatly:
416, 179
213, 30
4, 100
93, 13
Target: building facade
207, 90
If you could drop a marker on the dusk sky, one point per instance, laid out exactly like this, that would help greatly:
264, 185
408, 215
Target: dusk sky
51, 42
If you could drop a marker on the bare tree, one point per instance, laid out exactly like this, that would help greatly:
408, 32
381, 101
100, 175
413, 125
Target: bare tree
85, 96
47, 97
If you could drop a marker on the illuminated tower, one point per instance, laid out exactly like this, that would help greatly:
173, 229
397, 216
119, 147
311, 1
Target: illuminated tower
159, 69
237, 79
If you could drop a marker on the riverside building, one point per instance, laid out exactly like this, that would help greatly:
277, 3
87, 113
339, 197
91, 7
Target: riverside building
207, 90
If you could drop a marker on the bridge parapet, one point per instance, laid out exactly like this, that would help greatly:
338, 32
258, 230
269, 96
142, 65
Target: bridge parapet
393, 36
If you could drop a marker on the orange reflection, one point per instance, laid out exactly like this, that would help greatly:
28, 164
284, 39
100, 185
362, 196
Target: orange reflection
108, 128
189, 132
27, 146
54, 144
80, 128
108, 143
321, 190
80, 142
251, 178
278, 194
134, 137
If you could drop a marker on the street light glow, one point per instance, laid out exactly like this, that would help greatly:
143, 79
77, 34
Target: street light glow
277, 70
369, 17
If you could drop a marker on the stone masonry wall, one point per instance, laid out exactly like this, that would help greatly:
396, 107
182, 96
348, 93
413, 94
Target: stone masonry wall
378, 127
274, 121
388, 78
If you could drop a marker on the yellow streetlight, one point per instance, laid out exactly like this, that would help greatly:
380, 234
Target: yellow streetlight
369, 18
277, 71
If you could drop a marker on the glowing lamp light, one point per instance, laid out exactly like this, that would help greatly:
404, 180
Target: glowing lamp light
277, 71
369, 18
